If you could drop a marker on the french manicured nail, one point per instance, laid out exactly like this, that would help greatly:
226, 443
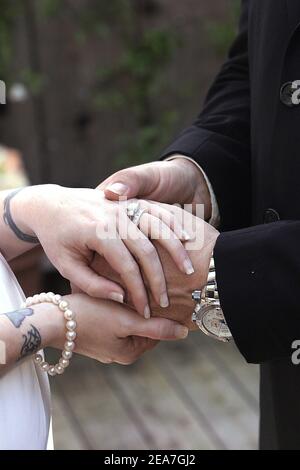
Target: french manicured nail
164, 300
116, 297
118, 188
147, 313
181, 332
185, 235
188, 267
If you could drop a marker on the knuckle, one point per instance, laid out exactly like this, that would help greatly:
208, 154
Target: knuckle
130, 269
161, 331
132, 357
91, 289
148, 250
107, 360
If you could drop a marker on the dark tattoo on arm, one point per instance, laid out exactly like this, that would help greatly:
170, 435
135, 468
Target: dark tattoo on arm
8, 219
32, 342
18, 316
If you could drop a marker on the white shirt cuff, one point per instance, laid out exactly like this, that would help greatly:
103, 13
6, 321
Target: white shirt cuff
215, 213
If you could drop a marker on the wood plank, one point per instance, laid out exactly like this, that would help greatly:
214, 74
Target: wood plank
206, 390
175, 397
167, 421
96, 407
66, 435
227, 358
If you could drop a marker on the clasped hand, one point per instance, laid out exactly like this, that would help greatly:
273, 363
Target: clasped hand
154, 277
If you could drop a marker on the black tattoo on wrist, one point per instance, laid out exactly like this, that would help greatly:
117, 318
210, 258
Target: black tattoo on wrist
18, 316
32, 343
8, 219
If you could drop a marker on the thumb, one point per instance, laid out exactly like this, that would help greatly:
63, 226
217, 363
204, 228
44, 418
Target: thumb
131, 182
159, 329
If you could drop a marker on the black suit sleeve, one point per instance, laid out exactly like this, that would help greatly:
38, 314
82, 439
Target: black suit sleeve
219, 140
258, 276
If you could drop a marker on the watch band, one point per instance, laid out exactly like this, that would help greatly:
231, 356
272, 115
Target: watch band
208, 313
210, 290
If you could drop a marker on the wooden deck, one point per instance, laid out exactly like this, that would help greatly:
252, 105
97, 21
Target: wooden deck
196, 394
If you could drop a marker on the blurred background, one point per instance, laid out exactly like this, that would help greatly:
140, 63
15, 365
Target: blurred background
94, 86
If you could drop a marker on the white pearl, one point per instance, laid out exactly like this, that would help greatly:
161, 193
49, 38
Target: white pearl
56, 299
45, 366
43, 297
38, 359
69, 345
63, 305
52, 371
29, 301
71, 325
71, 335
64, 362
59, 369
69, 315
67, 355
36, 299
23, 304
50, 296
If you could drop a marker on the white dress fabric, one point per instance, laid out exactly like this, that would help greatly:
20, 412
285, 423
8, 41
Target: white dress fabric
24, 391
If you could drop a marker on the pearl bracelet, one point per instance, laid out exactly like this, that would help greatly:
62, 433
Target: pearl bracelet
69, 345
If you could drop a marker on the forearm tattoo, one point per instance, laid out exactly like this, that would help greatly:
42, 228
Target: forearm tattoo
18, 316
8, 219
32, 342
32, 339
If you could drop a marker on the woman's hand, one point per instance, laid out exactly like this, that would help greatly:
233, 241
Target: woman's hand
110, 332
106, 331
180, 287
73, 224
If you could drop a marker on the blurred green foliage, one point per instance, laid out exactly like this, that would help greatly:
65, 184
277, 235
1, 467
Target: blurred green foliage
222, 34
9, 9
135, 79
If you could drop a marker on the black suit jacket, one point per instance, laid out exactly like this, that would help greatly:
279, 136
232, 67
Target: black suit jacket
247, 140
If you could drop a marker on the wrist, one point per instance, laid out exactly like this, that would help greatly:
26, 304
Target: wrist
51, 325
28, 207
201, 261
196, 182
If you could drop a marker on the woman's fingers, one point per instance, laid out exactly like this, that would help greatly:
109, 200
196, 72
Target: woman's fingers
120, 259
168, 217
157, 329
146, 255
86, 280
156, 229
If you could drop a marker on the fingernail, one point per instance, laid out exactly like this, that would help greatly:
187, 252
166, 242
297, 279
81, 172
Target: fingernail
118, 188
188, 267
185, 236
164, 301
147, 313
116, 297
181, 332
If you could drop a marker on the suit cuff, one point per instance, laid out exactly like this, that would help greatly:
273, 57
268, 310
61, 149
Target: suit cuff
254, 287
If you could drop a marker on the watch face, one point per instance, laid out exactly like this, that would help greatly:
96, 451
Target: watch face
211, 321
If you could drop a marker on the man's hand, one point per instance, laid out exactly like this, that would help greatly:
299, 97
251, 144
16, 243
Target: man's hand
180, 286
176, 181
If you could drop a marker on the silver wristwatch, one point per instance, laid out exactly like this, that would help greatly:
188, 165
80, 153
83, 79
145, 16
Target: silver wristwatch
208, 314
